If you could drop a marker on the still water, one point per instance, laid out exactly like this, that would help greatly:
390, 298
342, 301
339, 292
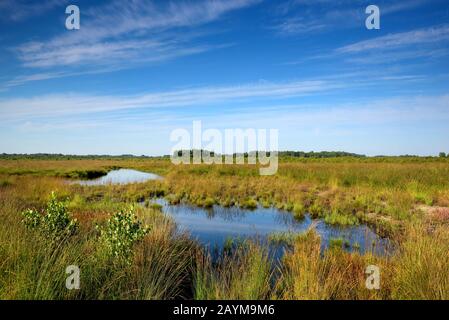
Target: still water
121, 176
215, 226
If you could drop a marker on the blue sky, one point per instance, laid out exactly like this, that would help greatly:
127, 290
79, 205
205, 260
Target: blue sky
137, 70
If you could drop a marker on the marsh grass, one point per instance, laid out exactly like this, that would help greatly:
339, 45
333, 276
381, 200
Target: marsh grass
386, 193
249, 203
421, 267
298, 211
244, 274
390, 187
336, 218
32, 267
308, 274
283, 238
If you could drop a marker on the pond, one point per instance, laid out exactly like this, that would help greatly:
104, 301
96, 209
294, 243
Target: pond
120, 176
215, 226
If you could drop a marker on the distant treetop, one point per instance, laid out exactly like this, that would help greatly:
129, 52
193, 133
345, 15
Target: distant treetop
321, 154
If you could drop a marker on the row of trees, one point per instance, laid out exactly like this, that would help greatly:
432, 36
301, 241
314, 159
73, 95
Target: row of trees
59, 156
321, 154
295, 154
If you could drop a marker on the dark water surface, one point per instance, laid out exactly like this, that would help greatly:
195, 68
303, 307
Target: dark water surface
215, 226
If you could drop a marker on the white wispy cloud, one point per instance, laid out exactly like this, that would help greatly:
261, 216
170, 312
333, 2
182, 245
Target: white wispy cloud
359, 113
144, 24
296, 120
136, 31
298, 25
106, 53
436, 34
419, 46
313, 16
393, 57
70, 104
67, 104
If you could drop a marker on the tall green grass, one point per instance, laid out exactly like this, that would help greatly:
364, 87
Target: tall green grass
243, 274
33, 267
308, 274
421, 267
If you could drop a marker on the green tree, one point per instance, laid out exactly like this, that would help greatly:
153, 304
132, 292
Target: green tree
442, 155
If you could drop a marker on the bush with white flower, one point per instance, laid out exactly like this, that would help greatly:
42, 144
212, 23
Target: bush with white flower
120, 233
54, 223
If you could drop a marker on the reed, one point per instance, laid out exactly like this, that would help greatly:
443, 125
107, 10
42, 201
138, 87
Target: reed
243, 274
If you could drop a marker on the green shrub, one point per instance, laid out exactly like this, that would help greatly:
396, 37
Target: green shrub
31, 218
55, 223
120, 234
